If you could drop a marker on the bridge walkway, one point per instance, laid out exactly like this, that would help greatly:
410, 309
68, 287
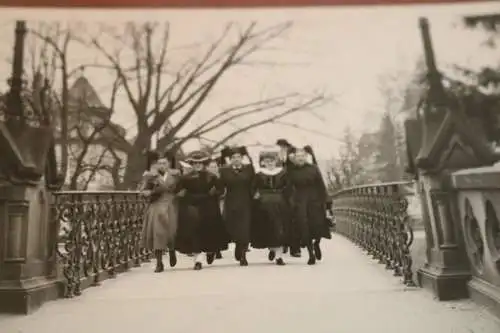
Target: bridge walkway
346, 293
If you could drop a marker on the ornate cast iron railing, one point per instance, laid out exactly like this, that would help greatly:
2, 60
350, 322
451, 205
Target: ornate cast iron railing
99, 236
375, 217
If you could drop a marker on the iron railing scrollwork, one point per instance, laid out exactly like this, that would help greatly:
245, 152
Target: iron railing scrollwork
100, 235
376, 218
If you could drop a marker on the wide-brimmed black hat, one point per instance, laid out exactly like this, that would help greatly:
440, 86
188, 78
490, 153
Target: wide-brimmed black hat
198, 156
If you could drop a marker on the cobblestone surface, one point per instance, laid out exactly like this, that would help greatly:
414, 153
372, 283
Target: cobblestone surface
346, 293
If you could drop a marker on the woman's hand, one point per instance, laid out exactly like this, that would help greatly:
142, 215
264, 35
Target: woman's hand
256, 195
181, 193
146, 193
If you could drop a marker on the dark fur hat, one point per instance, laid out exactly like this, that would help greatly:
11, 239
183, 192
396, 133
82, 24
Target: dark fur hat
230, 151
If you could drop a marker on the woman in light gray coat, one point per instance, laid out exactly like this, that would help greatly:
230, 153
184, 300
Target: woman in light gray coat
160, 221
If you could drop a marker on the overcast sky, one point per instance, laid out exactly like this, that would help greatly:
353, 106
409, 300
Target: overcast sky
341, 51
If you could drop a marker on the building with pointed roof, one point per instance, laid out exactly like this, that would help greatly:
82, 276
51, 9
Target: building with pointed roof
86, 114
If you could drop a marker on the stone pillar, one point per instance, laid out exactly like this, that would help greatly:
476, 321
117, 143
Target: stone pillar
448, 140
446, 272
27, 242
27, 256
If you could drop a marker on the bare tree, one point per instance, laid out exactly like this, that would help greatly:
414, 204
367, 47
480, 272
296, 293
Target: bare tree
48, 49
159, 92
49, 60
349, 168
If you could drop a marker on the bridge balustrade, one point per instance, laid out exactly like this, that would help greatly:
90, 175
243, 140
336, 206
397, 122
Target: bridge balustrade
477, 197
99, 236
376, 218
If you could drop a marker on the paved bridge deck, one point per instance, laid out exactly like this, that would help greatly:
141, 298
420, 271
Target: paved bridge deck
346, 293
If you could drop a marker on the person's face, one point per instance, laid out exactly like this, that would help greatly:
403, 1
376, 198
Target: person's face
236, 159
198, 166
300, 157
213, 167
269, 163
162, 164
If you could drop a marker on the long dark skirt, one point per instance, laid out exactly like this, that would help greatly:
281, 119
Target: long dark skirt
271, 222
238, 217
201, 228
309, 222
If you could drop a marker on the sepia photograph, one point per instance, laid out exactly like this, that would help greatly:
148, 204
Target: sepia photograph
332, 169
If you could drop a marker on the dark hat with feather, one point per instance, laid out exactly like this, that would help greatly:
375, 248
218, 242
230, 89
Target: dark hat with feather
198, 156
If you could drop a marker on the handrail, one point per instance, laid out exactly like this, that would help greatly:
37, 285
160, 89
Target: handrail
98, 237
358, 187
375, 217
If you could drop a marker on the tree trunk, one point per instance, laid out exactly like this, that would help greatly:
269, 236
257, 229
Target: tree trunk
73, 184
133, 171
136, 163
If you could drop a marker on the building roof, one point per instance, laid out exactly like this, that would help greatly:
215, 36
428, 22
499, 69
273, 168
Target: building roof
83, 90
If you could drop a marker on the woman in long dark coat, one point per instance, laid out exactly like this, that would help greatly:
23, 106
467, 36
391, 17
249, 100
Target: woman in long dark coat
237, 181
160, 221
201, 229
286, 157
309, 201
271, 221
213, 167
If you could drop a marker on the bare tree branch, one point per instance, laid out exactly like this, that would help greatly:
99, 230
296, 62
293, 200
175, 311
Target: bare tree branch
305, 106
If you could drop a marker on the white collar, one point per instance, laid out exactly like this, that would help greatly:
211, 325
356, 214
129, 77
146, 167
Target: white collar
272, 172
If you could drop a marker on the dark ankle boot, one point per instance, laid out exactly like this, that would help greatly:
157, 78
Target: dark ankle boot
237, 252
210, 258
172, 256
312, 257
243, 260
159, 262
197, 266
280, 262
159, 267
218, 255
295, 251
317, 250
271, 255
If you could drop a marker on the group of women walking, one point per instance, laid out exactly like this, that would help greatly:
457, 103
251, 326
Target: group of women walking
200, 210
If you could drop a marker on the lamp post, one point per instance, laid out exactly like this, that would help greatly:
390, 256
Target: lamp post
15, 108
